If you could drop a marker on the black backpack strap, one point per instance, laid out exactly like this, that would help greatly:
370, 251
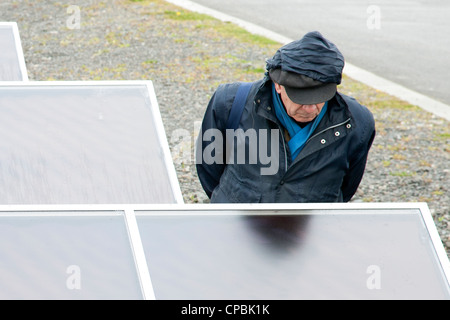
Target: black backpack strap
238, 105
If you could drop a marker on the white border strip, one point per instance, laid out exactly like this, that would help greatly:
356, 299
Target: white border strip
435, 239
139, 255
209, 208
176, 189
20, 54
19, 49
437, 108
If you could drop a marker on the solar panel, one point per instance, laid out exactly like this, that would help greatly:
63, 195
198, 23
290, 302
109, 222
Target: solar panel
66, 255
83, 143
315, 252
12, 61
210, 252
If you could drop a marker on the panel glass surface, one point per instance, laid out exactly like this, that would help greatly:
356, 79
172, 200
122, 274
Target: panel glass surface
66, 257
368, 255
9, 61
80, 145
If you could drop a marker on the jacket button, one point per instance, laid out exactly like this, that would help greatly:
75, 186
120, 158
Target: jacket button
349, 126
337, 133
323, 141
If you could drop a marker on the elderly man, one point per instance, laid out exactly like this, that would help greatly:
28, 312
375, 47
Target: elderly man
296, 138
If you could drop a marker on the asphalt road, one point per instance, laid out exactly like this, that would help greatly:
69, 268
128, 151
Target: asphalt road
406, 41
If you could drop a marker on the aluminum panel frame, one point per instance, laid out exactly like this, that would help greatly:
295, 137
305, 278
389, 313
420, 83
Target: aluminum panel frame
18, 49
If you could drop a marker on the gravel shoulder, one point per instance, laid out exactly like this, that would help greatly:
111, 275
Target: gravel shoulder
187, 56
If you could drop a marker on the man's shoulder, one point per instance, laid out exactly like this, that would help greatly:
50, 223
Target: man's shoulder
231, 88
351, 101
357, 109
225, 93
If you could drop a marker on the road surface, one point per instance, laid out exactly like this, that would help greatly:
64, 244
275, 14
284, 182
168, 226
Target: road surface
406, 41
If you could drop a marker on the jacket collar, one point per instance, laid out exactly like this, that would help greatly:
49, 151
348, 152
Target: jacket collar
263, 100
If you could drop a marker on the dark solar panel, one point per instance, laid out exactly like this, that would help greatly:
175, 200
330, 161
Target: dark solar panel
12, 63
312, 254
231, 252
66, 256
67, 143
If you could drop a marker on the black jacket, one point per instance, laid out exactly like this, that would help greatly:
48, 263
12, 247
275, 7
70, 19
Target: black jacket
328, 169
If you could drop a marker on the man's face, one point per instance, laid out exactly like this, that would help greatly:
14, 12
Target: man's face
299, 112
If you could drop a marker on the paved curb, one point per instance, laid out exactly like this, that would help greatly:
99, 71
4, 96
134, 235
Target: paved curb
437, 108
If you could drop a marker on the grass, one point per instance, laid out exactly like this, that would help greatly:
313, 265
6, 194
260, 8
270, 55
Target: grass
402, 173
203, 21
184, 15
